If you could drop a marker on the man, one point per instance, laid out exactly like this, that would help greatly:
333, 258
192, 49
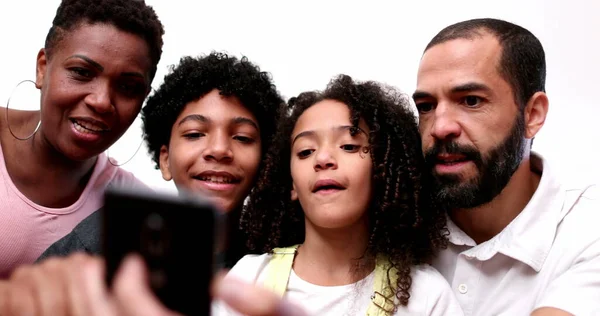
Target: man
521, 242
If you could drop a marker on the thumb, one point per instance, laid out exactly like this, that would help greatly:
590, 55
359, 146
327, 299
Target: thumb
252, 300
132, 292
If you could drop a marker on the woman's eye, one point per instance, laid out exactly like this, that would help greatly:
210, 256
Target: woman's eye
133, 89
81, 73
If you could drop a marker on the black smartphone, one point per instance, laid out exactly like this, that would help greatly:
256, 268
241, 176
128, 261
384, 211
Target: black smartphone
178, 238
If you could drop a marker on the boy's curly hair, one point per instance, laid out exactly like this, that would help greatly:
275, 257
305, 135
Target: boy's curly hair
193, 78
132, 16
404, 224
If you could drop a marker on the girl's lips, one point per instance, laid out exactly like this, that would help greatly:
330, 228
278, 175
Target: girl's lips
327, 184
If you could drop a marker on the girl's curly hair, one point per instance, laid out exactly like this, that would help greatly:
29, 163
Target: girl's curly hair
405, 225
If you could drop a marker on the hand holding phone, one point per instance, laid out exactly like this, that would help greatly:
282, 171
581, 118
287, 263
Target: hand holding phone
177, 236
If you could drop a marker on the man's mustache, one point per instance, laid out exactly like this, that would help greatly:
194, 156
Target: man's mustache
452, 148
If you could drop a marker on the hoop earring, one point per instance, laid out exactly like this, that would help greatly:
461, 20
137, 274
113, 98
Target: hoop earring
110, 160
7, 120
113, 161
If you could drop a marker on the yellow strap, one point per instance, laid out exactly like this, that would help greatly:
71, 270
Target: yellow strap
279, 269
382, 300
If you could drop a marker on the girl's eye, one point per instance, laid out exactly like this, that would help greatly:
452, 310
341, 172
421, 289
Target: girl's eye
305, 153
350, 148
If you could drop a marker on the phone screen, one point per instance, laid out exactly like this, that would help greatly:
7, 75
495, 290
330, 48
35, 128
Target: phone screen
175, 235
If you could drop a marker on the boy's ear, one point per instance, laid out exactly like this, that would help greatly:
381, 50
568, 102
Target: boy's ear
164, 163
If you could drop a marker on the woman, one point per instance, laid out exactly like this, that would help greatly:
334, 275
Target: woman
93, 73
210, 121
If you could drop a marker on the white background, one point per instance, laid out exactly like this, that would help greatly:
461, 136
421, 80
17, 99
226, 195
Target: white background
305, 43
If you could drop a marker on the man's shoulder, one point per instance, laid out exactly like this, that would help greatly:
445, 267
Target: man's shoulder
577, 232
581, 208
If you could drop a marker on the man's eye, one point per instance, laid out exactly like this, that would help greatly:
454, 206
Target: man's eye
424, 107
472, 101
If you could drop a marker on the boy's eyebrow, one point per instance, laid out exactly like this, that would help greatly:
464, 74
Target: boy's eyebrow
311, 133
240, 120
194, 117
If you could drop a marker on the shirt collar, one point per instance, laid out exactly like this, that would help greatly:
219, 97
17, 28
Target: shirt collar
528, 238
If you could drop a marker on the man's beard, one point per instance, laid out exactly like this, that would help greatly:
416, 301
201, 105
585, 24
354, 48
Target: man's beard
495, 169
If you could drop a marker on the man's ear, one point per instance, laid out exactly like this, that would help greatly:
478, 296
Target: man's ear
536, 111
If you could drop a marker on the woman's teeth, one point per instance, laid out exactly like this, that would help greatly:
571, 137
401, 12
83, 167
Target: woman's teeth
85, 127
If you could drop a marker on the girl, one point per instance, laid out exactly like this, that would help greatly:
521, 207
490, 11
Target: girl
343, 210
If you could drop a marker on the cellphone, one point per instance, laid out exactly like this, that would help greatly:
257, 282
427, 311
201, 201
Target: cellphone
178, 238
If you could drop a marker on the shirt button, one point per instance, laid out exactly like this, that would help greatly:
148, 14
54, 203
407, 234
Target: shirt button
463, 288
